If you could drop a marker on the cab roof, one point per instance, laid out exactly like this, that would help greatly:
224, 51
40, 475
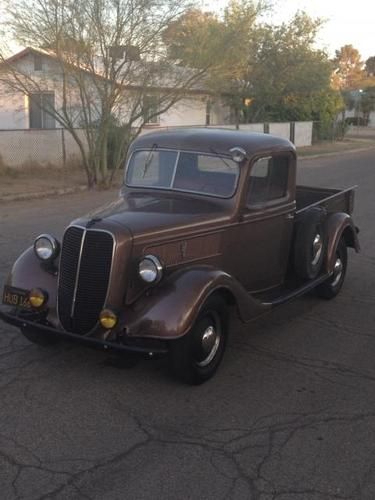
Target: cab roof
212, 140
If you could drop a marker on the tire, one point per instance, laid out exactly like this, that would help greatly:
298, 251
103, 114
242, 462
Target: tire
188, 360
310, 245
330, 288
40, 339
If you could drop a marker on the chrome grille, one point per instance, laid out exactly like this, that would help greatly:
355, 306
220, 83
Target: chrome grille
85, 268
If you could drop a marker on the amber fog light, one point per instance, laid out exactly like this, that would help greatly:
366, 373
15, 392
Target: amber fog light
37, 298
108, 319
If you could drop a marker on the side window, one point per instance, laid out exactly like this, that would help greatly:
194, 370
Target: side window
268, 180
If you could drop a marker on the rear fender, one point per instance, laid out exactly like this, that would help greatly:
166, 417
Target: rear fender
28, 272
170, 309
340, 225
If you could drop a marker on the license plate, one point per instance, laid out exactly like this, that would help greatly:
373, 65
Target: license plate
16, 297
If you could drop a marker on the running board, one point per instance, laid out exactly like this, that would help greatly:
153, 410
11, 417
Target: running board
307, 287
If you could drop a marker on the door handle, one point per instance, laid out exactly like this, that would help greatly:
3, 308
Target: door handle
289, 217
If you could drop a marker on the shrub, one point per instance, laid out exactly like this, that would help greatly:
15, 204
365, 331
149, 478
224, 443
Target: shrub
357, 121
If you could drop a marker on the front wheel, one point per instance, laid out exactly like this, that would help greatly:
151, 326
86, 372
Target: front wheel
330, 288
195, 357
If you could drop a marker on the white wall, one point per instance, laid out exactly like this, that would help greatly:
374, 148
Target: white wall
13, 109
303, 134
220, 113
280, 130
14, 105
185, 112
253, 127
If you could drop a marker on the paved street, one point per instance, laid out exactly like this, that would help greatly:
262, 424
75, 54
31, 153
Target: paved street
289, 416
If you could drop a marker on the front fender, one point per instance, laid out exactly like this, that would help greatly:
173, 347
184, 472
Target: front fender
340, 225
171, 308
27, 273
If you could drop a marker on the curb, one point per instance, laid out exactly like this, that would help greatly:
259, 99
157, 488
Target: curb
334, 153
42, 194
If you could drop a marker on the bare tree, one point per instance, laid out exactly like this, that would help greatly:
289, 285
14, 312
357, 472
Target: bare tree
106, 63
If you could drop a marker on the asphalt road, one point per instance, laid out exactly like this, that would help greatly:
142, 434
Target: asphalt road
290, 415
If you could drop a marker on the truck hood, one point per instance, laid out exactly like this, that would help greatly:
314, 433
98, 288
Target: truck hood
148, 213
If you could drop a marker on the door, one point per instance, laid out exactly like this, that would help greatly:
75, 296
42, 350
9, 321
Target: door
265, 230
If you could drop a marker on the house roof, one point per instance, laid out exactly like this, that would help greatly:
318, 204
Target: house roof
164, 82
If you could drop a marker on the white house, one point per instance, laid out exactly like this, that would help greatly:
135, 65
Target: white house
29, 134
19, 111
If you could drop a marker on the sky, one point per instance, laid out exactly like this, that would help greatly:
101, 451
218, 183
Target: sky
348, 22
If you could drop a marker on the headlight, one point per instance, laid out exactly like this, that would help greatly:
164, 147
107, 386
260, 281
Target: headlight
46, 247
150, 269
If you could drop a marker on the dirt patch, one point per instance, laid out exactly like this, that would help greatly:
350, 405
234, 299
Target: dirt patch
35, 179
334, 147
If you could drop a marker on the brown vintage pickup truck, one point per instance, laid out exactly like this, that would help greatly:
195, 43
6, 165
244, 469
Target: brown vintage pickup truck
208, 222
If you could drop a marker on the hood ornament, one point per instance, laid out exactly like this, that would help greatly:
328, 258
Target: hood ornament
92, 222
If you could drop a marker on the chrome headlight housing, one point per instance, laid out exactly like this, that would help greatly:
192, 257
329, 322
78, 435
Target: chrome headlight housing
46, 247
150, 269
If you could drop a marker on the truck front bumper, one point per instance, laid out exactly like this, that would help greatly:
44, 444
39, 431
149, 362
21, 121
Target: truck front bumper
30, 321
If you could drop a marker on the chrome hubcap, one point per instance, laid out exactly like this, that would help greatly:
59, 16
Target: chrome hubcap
317, 249
337, 271
209, 345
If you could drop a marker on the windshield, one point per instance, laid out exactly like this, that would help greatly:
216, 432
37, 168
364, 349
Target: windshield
183, 171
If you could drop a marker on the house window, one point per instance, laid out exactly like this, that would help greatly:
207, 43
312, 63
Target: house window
39, 106
150, 109
38, 62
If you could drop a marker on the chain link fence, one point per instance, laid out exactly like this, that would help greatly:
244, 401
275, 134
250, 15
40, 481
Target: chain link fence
56, 148
43, 148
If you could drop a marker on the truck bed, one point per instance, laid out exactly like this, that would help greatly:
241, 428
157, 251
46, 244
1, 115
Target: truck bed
333, 200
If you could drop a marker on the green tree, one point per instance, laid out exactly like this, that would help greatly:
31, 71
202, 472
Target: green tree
370, 66
287, 72
367, 102
222, 47
265, 72
348, 68
195, 39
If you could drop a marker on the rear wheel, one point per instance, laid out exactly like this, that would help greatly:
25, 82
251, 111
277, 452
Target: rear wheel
310, 245
195, 357
330, 288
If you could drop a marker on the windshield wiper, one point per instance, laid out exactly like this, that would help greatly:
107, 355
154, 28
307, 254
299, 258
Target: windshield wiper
231, 167
149, 160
